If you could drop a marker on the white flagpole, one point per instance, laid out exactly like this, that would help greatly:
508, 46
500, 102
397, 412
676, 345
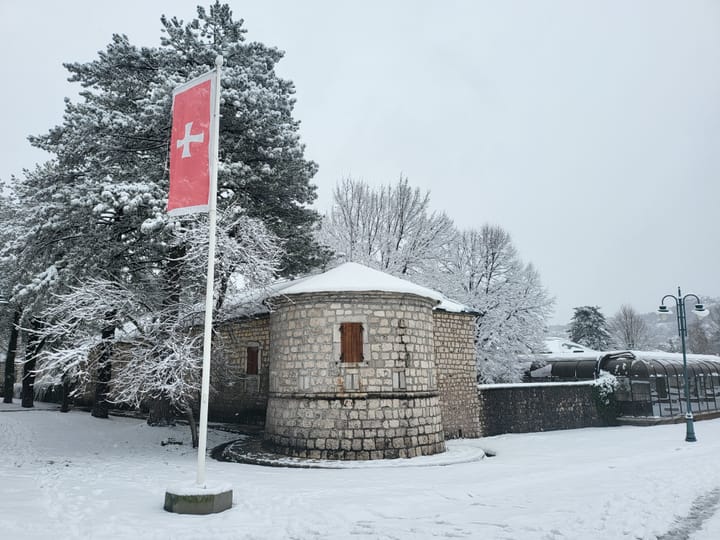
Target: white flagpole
207, 338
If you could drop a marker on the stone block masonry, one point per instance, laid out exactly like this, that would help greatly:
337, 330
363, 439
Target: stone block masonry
454, 335
359, 428
385, 405
239, 396
524, 408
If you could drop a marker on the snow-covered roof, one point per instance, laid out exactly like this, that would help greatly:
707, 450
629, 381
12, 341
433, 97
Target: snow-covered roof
347, 277
355, 277
558, 345
559, 349
672, 356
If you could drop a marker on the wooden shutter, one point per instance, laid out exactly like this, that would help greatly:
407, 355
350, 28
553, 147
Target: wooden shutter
351, 342
252, 361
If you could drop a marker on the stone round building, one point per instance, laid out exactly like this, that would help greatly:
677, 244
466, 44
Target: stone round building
353, 370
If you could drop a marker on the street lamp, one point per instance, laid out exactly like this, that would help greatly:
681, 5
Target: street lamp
700, 311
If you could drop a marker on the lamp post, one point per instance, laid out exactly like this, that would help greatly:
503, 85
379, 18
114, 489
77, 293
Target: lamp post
700, 311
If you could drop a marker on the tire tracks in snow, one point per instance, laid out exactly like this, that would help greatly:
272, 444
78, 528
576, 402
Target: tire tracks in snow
703, 507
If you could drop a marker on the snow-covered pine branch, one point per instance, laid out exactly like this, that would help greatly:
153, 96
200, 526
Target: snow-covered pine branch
156, 354
149, 344
245, 248
159, 365
589, 327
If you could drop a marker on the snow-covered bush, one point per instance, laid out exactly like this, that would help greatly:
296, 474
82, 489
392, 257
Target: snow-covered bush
603, 392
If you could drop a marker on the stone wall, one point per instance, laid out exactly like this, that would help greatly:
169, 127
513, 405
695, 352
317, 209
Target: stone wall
454, 335
316, 399
524, 408
398, 329
240, 397
372, 427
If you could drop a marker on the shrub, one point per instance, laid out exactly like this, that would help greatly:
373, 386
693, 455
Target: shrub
606, 403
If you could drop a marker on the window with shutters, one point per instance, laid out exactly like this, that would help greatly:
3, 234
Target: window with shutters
252, 363
351, 346
351, 342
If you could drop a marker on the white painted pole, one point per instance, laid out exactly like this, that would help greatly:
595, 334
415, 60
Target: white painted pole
207, 338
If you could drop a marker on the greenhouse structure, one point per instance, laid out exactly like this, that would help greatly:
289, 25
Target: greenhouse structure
651, 384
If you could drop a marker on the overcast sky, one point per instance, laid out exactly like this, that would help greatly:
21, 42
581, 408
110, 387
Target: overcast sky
589, 130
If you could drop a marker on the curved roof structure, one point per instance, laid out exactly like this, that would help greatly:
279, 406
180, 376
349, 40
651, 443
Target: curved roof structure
354, 277
347, 277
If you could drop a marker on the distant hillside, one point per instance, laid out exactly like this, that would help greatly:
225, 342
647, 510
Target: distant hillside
703, 334
557, 330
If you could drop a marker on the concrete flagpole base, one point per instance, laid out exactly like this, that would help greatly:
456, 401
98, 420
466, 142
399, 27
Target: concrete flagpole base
198, 499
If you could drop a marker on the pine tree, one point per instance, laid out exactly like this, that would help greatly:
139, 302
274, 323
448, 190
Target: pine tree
159, 348
24, 281
9, 313
98, 206
112, 146
589, 327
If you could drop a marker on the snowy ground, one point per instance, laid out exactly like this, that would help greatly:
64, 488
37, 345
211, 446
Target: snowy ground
74, 476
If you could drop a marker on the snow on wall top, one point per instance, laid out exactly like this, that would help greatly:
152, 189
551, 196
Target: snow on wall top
354, 277
558, 349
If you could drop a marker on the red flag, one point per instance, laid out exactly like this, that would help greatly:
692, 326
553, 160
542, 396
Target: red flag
190, 146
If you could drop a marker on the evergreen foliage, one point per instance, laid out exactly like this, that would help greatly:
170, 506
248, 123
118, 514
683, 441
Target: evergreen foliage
96, 209
603, 392
112, 147
588, 327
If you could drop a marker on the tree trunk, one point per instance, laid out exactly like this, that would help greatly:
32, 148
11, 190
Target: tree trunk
161, 413
10, 358
104, 371
193, 426
223, 287
32, 348
161, 409
65, 403
173, 272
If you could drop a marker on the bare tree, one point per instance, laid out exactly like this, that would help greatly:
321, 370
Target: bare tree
482, 269
714, 329
628, 329
155, 350
390, 228
699, 339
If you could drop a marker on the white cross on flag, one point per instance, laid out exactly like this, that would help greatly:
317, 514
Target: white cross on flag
190, 146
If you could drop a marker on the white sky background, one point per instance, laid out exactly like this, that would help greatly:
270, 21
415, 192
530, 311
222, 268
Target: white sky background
589, 130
